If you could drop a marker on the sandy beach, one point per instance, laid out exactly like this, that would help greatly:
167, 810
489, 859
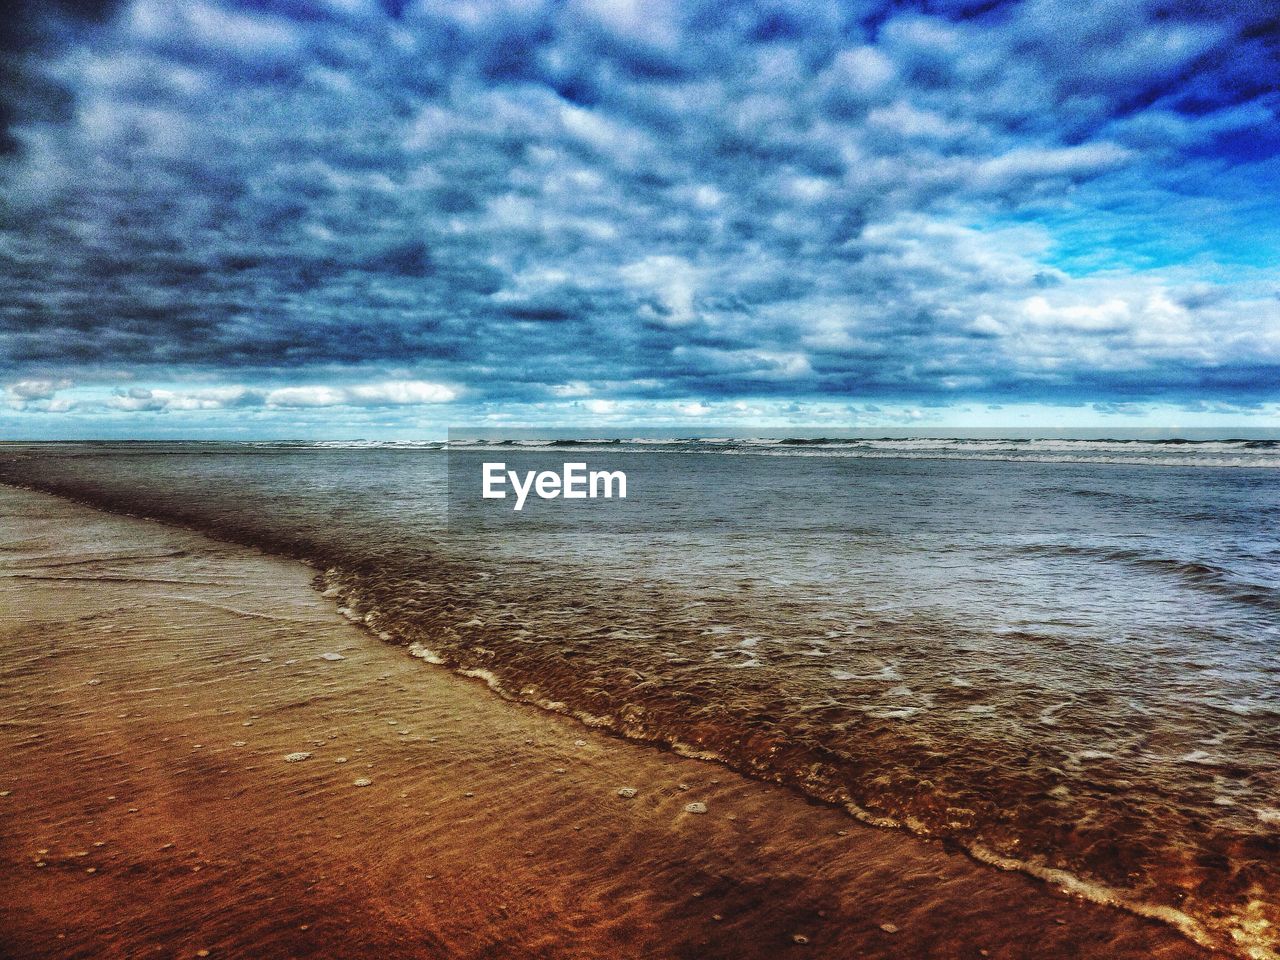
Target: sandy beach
202, 757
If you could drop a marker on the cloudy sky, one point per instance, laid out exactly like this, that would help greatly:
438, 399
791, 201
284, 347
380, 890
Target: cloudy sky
362, 218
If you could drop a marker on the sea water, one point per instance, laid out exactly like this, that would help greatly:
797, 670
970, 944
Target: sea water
1062, 656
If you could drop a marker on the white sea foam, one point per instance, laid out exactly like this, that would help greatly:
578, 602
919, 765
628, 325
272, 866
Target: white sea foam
1096, 892
425, 653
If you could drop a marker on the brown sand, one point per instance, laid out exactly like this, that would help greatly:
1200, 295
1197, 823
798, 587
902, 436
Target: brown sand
153, 682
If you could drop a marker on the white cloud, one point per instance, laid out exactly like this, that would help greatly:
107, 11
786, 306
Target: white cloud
651, 23
312, 396
210, 398
1025, 164
401, 392
574, 389
387, 393
1111, 314
672, 281
213, 27
37, 394
36, 389
695, 408
864, 70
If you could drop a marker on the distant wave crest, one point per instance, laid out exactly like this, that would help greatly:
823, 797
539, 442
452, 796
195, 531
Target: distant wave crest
1172, 453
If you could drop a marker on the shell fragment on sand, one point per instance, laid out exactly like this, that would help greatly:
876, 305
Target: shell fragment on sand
297, 757
627, 792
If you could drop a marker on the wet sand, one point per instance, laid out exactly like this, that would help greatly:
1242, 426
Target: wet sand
154, 682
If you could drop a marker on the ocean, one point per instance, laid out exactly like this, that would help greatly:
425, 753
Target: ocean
1062, 656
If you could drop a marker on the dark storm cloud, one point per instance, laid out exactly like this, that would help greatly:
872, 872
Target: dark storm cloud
27, 30
670, 199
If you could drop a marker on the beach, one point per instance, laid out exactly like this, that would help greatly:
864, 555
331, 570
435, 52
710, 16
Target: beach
202, 757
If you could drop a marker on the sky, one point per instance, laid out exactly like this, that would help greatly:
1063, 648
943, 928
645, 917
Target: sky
235, 219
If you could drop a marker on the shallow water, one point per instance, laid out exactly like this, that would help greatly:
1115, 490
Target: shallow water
1063, 662
157, 681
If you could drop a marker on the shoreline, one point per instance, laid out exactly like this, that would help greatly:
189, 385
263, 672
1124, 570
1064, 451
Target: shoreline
488, 827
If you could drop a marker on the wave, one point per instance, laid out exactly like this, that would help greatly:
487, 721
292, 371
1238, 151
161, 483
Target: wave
793, 766
351, 444
1174, 452
1195, 573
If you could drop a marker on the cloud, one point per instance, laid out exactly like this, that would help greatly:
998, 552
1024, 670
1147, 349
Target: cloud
36, 389
136, 399
1030, 165
694, 409
356, 203
36, 394
667, 284
306, 397
391, 393
28, 29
